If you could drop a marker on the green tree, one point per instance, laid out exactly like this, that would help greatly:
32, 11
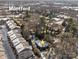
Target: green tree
27, 14
72, 26
42, 21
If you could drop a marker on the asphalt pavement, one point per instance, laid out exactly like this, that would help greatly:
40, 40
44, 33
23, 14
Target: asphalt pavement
6, 45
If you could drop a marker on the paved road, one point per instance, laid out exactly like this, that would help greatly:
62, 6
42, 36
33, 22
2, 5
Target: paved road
8, 49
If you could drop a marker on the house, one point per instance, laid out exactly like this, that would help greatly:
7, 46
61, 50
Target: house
22, 48
58, 21
12, 25
63, 16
